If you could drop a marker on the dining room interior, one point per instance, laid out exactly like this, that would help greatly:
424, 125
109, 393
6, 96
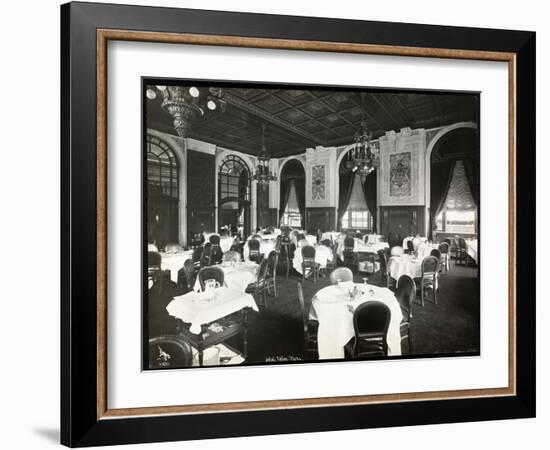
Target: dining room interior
302, 224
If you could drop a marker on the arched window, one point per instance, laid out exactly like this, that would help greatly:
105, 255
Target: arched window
162, 192
234, 195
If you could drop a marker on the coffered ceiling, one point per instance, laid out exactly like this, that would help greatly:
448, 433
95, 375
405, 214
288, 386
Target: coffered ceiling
298, 119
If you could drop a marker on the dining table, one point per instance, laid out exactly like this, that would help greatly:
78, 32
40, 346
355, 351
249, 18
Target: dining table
360, 247
174, 262
237, 276
266, 246
333, 307
405, 265
323, 254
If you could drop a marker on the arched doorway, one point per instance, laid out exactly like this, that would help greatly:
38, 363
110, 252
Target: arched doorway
454, 184
292, 195
162, 198
234, 195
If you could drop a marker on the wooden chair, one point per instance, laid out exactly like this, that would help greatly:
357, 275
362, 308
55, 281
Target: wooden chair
430, 270
445, 256
214, 240
410, 247
310, 327
254, 250
461, 252
154, 271
309, 264
435, 252
212, 272
333, 262
186, 276
384, 267
259, 287
169, 352
341, 274
206, 254
271, 274
371, 321
350, 257
405, 294
285, 248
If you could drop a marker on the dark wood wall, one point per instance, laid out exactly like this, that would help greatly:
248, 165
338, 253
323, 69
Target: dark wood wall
265, 215
401, 221
201, 191
320, 218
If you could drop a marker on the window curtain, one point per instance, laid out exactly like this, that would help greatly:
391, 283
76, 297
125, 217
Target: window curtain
441, 176
346, 185
285, 192
471, 167
370, 191
300, 184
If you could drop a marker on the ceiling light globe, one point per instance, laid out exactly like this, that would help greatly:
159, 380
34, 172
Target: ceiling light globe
151, 94
194, 92
211, 105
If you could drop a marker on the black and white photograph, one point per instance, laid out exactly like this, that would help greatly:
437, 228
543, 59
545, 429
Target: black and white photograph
288, 224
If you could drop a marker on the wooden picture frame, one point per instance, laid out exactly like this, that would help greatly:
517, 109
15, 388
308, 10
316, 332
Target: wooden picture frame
85, 416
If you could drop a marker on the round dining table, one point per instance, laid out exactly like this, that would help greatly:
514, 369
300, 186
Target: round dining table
333, 307
174, 262
237, 276
323, 254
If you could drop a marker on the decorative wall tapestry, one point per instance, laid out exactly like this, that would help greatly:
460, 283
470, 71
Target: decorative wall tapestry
400, 175
318, 182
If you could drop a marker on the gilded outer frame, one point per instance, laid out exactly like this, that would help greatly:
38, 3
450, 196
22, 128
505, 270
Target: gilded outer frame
86, 29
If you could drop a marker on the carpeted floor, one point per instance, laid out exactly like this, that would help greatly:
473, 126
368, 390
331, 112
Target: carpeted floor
276, 332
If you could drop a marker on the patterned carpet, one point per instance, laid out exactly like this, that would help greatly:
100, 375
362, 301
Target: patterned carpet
275, 334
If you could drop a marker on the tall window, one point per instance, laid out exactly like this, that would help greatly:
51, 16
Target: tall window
234, 180
458, 214
291, 215
162, 191
357, 214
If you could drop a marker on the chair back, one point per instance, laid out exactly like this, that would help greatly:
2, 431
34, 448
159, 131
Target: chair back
262, 270
272, 260
278, 242
169, 351
153, 260
308, 253
231, 256
216, 256
341, 274
410, 245
371, 321
448, 241
254, 245
214, 239
430, 265
405, 294
300, 237
189, 270
206, 254
197, 253
462, 243
349, 243
208, 273
435, 252
443, 247
382, 258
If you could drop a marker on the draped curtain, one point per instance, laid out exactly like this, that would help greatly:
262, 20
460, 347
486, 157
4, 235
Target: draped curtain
300, 184
370, 191
471, 168
285, 192
441, 175
346, 184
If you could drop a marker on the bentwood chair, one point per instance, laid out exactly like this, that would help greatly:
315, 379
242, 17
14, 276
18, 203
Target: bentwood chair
155, 274
341, 274
435, 252
461, 252
197, 255
405, 294
349, 256
410, 247
186, 276
271, 274
310, 327
333, 262
169, 351
371, 321
285, 249
259, 287
428, 280
206, 255
211, 273
445, 256
216, 256
384, 268
309, 266
254, 250
214, 240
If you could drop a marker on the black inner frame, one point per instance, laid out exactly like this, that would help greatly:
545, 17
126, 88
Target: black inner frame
79, 423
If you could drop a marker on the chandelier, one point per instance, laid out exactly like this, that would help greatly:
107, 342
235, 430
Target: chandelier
263, 175
364, 157
185, 103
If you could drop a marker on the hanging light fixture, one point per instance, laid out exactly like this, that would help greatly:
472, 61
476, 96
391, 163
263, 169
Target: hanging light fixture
185, 103
263, 175
364, 157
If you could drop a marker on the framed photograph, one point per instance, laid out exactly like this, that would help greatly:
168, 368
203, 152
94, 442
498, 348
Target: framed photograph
277, 224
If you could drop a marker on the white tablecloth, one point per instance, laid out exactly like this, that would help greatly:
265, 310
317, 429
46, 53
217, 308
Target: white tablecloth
330, 308
322, 255
330, 235
405, 265
374, 238
174, 262
236, 277
225, 242
360, 246
424, 250
266, 246
416, 241
471, 248
195, 309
